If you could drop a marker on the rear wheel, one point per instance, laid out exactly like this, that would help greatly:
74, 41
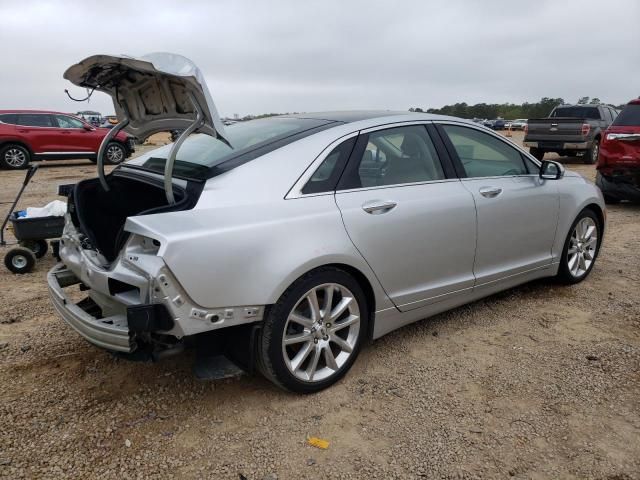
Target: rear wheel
591, 155
14, 157
537, 153
114, 153
20, 260
313, 334
580, 248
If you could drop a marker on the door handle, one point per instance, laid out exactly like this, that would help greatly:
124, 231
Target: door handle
377, 207
490, 192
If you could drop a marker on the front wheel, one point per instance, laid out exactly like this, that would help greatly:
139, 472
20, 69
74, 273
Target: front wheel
580, 248
14, 157
114, 154
591, 155
313, 334
20, 260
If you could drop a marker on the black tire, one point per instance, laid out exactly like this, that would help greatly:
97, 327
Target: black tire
38, 247
270, 357
537, 153
591, 155
564, 274
55, 249
14, 157
115, 153
20, 260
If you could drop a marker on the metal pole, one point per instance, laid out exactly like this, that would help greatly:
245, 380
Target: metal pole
171, 158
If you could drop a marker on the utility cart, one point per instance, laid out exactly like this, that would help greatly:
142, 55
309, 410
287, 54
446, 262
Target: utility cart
32, 234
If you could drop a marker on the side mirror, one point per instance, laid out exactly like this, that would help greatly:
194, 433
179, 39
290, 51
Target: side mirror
550, 170
87, 127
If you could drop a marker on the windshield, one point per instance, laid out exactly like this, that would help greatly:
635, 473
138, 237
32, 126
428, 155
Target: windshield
202, 156
577, 112
629, 116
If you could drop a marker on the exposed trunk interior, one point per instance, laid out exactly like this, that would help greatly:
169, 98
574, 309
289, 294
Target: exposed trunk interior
101, 215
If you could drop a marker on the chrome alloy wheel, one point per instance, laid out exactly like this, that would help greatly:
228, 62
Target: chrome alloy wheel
321, 332
15, 157
582, 247
594, 152
114, 154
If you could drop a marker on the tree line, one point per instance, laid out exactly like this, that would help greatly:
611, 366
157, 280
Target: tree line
505, 110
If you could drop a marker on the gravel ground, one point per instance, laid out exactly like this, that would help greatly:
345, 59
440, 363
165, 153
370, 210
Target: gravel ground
541, 381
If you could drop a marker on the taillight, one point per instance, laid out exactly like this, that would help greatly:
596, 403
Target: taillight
586, 128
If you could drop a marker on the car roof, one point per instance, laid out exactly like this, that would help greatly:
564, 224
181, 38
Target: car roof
359, 115
581, 105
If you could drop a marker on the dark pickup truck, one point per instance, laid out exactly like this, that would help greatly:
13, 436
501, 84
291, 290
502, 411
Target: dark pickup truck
570, 130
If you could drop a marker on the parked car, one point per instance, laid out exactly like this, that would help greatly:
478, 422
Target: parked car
619, 161
27, 135
306, 233
518, 124
570, 130
497, 124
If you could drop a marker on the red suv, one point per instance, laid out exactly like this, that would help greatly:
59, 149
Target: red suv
619, 160
27, 135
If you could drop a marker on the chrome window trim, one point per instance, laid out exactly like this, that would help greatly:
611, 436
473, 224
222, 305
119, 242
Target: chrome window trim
396, 185
407, 123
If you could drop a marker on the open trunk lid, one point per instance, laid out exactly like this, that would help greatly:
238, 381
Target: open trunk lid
156, 91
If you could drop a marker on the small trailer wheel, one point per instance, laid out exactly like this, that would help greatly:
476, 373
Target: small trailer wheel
20, 260
38, 247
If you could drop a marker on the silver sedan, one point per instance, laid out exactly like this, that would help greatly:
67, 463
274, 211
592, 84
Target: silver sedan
312, 233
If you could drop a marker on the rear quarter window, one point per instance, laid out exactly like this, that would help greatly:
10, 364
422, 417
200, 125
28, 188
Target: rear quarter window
9, 118
629, 116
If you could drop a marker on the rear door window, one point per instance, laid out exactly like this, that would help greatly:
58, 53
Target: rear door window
9, 118
35, 120
629, 116
395, 156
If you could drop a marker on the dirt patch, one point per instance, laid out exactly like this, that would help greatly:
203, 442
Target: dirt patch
541, 381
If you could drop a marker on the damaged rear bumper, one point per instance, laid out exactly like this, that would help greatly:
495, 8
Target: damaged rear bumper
621, 185
111, 332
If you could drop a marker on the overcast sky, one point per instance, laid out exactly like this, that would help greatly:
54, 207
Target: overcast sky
285, 56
